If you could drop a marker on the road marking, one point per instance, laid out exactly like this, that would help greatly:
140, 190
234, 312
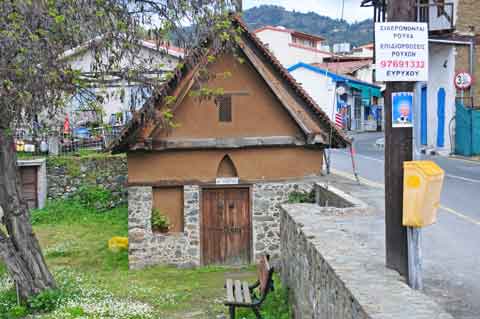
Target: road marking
471, 180
360, 155
463, 178
470, 161
362, 179
382, 186
462, 216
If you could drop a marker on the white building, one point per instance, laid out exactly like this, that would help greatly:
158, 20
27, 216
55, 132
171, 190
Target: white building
341, 48
291, 47
358, 101
365, 51
434, 120
360, 68
451, 50
118, 97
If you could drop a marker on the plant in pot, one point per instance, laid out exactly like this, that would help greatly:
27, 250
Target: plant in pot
160, 222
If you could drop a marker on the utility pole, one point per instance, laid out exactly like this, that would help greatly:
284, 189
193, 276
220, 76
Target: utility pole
398, 149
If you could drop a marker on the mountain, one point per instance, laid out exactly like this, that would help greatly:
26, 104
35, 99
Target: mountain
334, 30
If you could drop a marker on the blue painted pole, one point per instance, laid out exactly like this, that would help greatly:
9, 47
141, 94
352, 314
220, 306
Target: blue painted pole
424, 117
441, 118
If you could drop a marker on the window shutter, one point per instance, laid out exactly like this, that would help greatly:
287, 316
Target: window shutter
224, 108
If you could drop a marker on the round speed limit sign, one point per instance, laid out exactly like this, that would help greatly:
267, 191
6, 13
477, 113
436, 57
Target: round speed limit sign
463, 80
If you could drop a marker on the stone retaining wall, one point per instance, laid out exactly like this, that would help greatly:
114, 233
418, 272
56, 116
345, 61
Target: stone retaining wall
334, 272
65, 175
267, 201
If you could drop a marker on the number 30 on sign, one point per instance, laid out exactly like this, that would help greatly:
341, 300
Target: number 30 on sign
463, 80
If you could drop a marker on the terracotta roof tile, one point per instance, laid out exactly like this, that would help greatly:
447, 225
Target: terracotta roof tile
344, 67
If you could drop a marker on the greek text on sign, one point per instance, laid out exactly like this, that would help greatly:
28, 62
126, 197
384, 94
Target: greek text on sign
226, 180
401, 51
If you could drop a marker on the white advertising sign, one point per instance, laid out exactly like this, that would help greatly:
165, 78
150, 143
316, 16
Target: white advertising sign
401, 51
226, 180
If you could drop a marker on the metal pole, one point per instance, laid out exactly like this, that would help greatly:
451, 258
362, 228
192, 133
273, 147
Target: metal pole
415, 278
18, 292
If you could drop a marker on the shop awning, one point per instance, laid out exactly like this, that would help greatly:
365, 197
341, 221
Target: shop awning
366, 91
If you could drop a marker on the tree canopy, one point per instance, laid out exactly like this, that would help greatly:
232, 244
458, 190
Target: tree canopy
36, 78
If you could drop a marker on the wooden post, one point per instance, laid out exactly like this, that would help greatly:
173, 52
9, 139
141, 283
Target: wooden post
398, 149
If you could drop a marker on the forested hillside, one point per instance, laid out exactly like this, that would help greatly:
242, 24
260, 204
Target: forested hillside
334, 30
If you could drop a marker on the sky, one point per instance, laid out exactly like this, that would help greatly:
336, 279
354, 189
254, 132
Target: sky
332, 8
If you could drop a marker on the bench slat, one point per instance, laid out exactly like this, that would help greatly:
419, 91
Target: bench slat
238, 291
230, 297
246, 293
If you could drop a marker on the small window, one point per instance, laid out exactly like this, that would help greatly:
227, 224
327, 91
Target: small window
224, 104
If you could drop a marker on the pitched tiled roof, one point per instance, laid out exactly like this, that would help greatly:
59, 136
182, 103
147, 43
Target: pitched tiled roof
330, 73
128, 135
344, 67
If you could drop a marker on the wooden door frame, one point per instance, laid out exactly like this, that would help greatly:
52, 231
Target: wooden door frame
250, 209
35, 182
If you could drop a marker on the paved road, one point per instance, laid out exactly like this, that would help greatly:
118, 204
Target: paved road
451, 248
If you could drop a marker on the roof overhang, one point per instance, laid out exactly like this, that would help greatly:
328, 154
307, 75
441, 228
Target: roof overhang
314, 123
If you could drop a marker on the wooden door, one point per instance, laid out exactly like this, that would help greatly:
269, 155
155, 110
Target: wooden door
28, 175
226, 226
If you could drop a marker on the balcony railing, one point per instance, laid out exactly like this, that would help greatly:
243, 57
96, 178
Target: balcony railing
439, 15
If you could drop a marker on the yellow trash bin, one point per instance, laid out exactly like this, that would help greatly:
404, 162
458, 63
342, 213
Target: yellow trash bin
118, 243
422, 187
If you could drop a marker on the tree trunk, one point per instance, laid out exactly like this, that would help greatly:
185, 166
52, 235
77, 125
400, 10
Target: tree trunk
19, 248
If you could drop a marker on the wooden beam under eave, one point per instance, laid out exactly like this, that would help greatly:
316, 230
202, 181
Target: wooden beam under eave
223, 143
212, 183
228, 143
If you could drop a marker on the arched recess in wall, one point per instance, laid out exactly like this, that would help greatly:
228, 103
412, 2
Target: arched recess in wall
226, 168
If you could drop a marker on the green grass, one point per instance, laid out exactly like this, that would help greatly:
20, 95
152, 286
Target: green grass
96, 283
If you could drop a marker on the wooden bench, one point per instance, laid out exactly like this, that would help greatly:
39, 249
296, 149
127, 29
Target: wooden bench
241, 294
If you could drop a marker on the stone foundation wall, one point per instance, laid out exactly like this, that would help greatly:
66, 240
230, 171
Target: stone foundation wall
333, 270
149, 248
65, 175
183, 249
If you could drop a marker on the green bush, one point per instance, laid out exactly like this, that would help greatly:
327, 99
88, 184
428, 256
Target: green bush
45, 301
276, 305
95, 198
73, 212
8, 301
17, 312
301, 197
57, 211
160, 222
75, 312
